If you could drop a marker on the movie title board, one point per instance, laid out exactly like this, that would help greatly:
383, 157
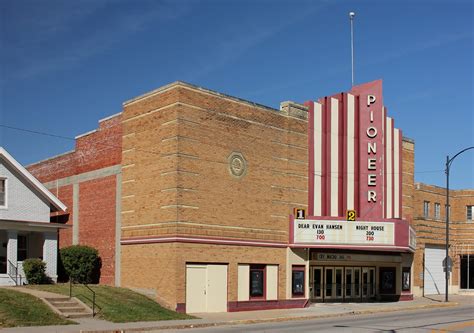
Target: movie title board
343, 232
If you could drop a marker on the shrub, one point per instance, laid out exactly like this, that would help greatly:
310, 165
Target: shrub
35, 271
81, 263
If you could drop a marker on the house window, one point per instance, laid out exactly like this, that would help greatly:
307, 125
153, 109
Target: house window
426, 209
257, 281
22, 247
469, 213
437, 212
448, 210
3, 192
297, 281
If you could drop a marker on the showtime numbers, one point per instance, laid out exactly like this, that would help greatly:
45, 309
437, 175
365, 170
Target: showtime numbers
320, 234
370, 236
343, 232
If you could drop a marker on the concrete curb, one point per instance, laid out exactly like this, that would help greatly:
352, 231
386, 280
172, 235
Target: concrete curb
270, 320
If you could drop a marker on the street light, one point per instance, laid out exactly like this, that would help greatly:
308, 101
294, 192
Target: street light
448, 210
351, 18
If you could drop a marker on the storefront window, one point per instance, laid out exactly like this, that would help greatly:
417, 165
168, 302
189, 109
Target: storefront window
297, 285
257, 278
406, 279
387, 280
467, 271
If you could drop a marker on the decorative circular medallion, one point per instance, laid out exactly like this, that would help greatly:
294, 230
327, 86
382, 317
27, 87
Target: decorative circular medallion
237, 164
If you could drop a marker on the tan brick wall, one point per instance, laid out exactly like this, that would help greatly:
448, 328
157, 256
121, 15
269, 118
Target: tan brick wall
163, 266
152, 266
176, 181
176, 177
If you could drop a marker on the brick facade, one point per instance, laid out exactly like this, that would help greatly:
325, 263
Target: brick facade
177, 183
75, 178
163, 175
431, 229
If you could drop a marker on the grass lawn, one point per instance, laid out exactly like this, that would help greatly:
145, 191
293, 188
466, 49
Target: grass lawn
119, 305
19, 309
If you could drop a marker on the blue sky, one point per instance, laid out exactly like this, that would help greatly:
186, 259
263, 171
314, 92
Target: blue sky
66, 64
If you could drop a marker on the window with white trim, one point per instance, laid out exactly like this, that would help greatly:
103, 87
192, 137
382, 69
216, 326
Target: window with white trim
426, 209
437, 210
3, 192
469, 210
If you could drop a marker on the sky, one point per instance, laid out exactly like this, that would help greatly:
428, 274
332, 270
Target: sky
66, 64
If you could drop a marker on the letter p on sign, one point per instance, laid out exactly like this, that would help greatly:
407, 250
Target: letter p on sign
370, 99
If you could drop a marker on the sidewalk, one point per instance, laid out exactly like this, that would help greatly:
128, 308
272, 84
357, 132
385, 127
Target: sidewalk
217, 319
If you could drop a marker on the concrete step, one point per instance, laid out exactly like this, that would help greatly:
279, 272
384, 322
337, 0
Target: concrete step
64, 304
74, 309
77, 315
58, 299
69, 307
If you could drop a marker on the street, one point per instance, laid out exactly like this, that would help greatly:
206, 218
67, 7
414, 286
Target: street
456, 319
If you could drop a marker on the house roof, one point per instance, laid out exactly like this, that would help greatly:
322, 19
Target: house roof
55, 203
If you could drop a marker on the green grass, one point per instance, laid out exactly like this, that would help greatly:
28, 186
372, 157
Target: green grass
19, 309
119, 305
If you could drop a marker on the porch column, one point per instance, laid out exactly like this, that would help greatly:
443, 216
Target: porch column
12, 248
50, 254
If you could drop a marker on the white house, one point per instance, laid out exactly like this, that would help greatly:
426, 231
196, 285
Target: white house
26, 230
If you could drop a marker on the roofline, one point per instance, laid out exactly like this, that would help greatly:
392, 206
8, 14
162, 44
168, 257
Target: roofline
443, 187
407, 139
33, 181
111, 116
197, 88
51, 158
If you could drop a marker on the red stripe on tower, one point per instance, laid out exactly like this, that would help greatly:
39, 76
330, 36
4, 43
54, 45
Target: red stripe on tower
311, 145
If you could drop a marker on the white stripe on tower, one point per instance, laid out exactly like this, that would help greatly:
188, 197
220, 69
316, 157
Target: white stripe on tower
388, 170
384, 176
350, 176
318, 158
396, 170
334, 175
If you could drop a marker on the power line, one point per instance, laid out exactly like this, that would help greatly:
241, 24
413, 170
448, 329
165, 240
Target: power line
214, 144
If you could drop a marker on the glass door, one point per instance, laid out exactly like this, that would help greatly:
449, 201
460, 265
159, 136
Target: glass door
349, 287
328, 283
372, 282
338, 278
356, 282
317, 283
365, 282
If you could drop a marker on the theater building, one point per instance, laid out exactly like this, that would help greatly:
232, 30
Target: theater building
358, 245
191, 194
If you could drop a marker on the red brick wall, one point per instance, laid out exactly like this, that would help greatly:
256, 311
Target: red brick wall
65, 195
93, 151
97, 221
97, 150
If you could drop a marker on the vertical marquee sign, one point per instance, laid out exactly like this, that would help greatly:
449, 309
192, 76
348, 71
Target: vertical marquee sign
355, 156
371, 149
